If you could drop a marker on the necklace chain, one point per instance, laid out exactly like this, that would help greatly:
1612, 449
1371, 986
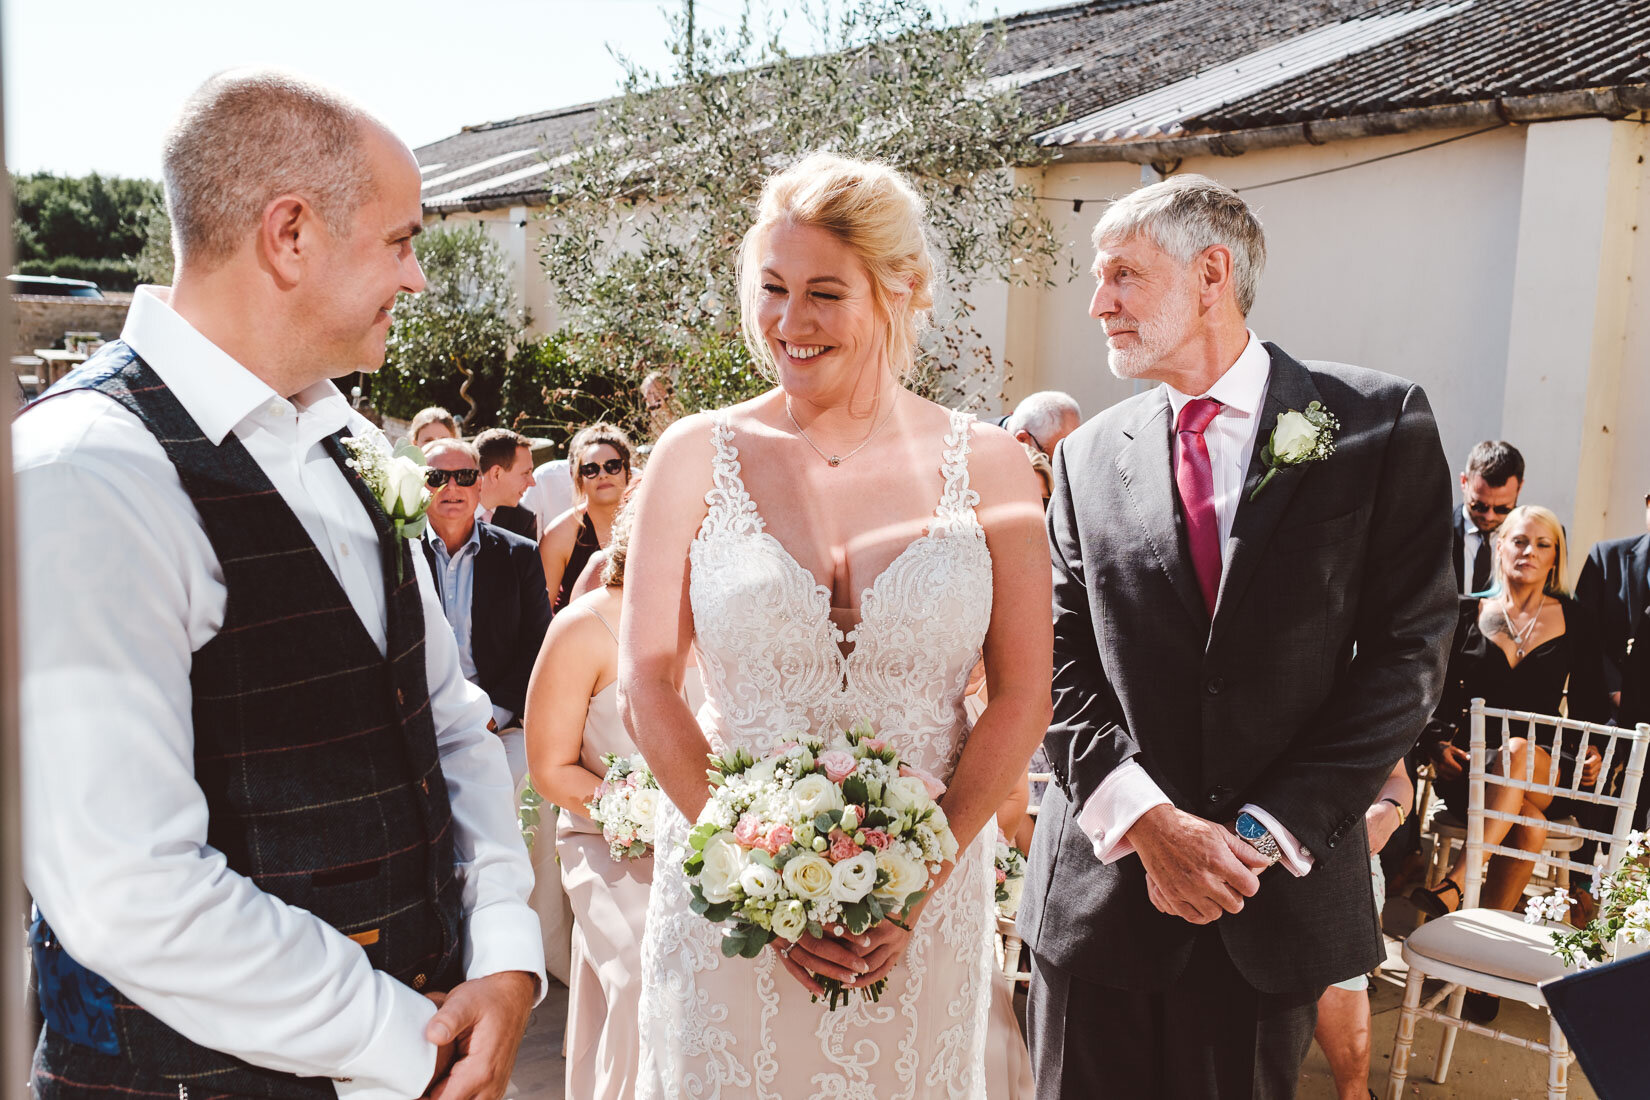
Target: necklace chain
1522, 636
837, 460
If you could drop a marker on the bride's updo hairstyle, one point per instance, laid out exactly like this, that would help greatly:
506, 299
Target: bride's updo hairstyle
875, 212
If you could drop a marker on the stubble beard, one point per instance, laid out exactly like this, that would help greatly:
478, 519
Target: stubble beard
1156, 338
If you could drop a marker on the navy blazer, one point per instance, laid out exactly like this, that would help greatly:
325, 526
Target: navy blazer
1614, 587
515, 519
509, 613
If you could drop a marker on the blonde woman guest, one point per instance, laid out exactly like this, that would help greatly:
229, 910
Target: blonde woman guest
430, 424
853, 547
1516, 647
572, 720
600, 460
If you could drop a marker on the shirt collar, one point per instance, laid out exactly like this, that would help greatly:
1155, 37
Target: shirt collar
1241, 389
211, 385
471, 543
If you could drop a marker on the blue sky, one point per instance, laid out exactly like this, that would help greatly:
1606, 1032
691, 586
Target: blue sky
91, 84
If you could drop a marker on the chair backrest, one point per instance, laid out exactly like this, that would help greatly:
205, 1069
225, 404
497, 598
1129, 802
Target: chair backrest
1622, 750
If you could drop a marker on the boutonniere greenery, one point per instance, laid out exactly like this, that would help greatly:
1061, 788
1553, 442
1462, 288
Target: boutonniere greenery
1300, 437
396, 479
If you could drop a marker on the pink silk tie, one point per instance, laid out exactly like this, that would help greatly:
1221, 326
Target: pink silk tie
1194, 477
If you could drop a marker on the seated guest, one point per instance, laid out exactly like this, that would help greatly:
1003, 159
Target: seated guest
491, 587
1515, 648
506, 475
1615, 588
1042, 419
430, 424
1489, 491
600, 456
572, 720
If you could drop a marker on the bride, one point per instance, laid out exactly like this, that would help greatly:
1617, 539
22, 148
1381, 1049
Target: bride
838, 548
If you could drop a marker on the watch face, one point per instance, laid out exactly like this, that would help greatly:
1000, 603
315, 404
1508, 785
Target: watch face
1250, 828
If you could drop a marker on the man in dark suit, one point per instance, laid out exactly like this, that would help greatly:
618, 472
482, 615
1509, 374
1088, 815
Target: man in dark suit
1615, 587
492, 590
1489, 491
1241, 654
506, 473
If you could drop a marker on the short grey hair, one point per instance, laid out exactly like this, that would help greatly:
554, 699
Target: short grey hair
1043, 413
448, 443
1183, 215
247, 136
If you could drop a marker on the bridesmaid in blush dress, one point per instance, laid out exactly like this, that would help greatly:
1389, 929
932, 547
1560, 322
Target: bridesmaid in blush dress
572, 720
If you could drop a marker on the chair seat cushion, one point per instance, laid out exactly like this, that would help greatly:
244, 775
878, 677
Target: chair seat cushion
1492, 941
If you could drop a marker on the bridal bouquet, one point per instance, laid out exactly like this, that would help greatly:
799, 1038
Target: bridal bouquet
626, 802
1011, 876
838, 837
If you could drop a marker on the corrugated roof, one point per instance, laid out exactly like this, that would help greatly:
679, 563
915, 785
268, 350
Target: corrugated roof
1134, 74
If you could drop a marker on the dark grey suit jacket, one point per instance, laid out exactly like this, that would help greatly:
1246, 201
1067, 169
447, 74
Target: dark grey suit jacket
1324, 661
1615, 587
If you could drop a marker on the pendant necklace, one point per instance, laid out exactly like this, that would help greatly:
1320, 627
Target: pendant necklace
837, 460
1522, 636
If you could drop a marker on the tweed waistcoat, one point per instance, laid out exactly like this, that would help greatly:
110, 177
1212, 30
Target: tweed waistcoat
316, 753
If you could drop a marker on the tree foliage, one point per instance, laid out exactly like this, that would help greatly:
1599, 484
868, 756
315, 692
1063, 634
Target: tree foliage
647, 216
91, 224
449, 345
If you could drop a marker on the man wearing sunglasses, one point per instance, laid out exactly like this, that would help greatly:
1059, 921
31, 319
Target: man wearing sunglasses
492, 590
1489, 491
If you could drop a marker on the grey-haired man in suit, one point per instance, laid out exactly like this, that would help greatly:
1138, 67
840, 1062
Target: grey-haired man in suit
1253, 602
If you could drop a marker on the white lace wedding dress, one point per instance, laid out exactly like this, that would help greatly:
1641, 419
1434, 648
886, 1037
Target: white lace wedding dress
737, 1028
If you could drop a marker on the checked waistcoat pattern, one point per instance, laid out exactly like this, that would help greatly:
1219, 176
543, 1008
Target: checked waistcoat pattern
316, 754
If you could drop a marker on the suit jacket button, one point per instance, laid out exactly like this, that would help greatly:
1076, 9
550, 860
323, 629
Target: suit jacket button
1217, 795
400, 697
1214, 685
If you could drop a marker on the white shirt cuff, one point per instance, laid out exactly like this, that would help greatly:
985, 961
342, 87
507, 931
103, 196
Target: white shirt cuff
501, 938
1295, 857
1112, 810
501, 719
399, 1061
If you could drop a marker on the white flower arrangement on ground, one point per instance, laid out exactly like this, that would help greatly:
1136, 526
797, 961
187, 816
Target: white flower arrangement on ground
815, 839
396, 479
1011, 876
625, 806
1623, 911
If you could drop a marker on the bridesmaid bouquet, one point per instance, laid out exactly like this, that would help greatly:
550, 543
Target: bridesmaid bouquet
626, 802
818, 837
1011, 876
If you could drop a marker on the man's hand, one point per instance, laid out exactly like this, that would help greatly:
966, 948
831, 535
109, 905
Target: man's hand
1381, 821
1195, 869
1452, 762
482, 1022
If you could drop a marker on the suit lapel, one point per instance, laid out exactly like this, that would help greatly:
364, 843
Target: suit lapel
1290, 387
1146, 465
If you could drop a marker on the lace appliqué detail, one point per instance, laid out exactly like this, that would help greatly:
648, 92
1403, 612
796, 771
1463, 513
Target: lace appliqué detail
769, 654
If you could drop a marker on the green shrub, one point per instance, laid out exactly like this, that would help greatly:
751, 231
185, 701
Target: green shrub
107, 274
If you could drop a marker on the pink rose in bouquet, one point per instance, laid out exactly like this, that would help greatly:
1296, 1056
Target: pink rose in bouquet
929, 781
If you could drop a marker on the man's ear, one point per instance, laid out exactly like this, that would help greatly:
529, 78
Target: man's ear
1214, 269
286, 234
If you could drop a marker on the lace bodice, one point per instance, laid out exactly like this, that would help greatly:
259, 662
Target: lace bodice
770, 653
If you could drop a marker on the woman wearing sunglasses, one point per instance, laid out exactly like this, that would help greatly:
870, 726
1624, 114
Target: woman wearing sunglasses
600, 460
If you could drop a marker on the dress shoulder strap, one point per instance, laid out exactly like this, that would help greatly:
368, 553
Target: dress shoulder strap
957, 500
730, 506
603, 620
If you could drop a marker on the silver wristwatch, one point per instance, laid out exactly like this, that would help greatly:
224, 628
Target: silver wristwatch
1259, 837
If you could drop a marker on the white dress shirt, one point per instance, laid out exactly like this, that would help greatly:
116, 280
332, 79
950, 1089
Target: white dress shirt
1471, 537
550, 495
1128, 791
120, 586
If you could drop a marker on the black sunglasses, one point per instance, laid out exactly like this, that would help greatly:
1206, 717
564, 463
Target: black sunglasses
589, 470
435, 479
1482, 509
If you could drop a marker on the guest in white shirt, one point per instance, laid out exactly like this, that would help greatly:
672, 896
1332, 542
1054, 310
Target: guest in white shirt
1489, 492
551, 493
294, 213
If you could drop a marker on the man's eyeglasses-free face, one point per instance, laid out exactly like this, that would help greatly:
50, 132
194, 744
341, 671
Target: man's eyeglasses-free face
612, 466
1482, 509
435, 479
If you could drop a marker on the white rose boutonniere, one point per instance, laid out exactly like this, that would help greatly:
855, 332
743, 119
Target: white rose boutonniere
1300, 437
396, 478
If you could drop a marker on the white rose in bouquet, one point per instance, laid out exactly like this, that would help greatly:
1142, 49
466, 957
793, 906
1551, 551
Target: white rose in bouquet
759, 881
644, 806
808, 876
790, 920
906, 794
815, 794
853, 878
905, 875
724, 863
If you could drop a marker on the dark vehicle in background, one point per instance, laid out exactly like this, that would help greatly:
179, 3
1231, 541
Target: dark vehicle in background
51, 284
